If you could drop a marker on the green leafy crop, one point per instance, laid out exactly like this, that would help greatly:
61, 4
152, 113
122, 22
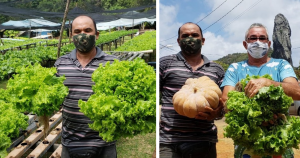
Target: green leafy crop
37, 89
4, 144
11, 122
123, 103
246, 117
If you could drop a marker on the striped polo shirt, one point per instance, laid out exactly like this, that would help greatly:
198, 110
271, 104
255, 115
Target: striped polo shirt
174, 71
75, 130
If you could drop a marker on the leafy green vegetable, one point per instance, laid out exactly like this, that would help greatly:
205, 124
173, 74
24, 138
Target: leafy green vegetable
4, 144
146, 41
246, 116
124, 101
11, 122
37, 89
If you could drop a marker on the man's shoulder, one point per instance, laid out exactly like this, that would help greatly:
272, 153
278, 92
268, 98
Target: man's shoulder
167, 59
109, 57
212, 63
61, 58
279, 60
240, 63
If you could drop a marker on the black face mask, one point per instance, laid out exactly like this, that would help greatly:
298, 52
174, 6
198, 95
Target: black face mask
84, 43
190, 45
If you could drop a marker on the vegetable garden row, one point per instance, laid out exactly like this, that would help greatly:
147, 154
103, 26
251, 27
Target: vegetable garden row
106, 39
46, 55
35, 89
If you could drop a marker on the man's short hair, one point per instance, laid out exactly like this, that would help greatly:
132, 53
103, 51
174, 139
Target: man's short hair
190, 23
88, 17
255, 25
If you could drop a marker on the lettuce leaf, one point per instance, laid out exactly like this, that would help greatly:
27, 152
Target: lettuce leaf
124, 100
246, 115
36, 89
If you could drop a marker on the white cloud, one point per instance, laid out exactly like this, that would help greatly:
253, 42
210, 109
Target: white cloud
168, 27
216, 47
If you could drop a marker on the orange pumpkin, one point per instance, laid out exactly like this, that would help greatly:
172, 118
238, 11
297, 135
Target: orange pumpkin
195, 95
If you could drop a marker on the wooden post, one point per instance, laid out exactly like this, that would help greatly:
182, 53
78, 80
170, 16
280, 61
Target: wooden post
62, 28
153, 55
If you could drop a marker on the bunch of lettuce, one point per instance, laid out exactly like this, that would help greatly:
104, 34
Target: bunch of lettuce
246, 116
4, 144
123, 103
11, 122
37, 89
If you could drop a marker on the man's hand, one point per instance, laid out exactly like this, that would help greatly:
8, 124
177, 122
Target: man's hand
211, 114
254, 85
275, 120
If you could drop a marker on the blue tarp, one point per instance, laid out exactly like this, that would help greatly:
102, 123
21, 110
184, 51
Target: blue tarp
29, 24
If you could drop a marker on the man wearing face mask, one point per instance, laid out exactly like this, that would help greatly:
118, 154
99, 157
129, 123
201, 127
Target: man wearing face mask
181, 136
78, 140
257, 44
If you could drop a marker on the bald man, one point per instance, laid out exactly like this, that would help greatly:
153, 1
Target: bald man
181, 136
78, 139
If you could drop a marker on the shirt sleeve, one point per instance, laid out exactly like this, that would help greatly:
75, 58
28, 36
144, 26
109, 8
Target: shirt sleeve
230, 78
286, 70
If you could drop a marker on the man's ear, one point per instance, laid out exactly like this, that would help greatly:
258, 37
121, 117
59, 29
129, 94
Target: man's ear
269, 43
97, 34
178, 41
245, 45
203, 40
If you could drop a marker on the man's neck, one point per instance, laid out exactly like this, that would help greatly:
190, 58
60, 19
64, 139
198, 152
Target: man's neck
194, 60
258, 62
85, 58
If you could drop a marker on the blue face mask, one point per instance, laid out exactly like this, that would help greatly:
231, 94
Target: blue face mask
257, 49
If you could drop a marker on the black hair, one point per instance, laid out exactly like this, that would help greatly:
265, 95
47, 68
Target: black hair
190, 23
86, 16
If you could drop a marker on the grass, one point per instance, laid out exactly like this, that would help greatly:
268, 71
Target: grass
140, 146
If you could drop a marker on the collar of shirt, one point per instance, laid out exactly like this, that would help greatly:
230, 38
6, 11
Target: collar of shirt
205, 59
99, 54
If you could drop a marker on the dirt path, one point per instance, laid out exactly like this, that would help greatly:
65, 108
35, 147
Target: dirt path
225, 146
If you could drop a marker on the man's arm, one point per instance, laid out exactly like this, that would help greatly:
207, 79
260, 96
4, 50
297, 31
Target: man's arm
225, 93
289, 85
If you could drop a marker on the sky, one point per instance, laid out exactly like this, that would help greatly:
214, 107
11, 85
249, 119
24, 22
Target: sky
224, 23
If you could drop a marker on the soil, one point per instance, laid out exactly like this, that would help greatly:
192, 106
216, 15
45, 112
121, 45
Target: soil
225, 148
